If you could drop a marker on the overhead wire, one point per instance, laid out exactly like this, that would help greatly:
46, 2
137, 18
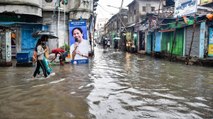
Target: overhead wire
105, 9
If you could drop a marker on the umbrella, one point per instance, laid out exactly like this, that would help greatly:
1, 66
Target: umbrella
49, 34
57, 50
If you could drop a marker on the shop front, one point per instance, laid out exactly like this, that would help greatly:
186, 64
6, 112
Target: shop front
169, 45
5, 47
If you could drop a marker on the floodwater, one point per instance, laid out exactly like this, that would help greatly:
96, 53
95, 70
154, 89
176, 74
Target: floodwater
114, 85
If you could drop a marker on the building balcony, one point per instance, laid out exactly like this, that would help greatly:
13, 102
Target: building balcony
25, 7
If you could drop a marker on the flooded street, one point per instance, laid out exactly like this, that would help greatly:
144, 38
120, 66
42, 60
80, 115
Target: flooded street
114, 85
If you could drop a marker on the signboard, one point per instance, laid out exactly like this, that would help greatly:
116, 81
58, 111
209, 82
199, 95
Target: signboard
210, 49
202, 38
79, 44
128, 36
2, 46
203, 2
8, 47
185, 7
5, 46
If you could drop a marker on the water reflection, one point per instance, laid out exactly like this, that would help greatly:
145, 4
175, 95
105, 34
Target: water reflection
134, 87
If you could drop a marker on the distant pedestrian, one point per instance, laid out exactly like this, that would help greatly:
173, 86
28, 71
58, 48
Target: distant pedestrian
115, 43
104, 42
108, 43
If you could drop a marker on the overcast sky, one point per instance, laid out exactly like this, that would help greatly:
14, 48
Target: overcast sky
104, 11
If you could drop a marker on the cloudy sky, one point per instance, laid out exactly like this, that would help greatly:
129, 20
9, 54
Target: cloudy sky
104, 11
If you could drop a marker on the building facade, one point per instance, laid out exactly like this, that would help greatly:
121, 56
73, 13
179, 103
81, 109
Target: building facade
24, 17
138, 10
116, 26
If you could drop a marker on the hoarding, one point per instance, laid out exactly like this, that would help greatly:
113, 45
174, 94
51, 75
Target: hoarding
203, 2
8, 47
210, 49
202, 39
79, 44
5, 46
185, 7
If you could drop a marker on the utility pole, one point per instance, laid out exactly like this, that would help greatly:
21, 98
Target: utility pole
58, 21
121, 5
64, 26
120, 11
57, 7
118, 14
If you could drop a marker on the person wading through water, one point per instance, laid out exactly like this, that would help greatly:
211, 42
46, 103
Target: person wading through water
40, 58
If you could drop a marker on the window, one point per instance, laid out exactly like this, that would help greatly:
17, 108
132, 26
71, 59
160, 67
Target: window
134, 11
152, 8
144, 9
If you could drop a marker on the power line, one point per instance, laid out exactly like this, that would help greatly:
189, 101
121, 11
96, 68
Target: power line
104, 9
119, 16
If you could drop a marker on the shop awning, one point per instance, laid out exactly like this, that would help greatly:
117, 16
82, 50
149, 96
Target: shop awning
167, 30
131, 25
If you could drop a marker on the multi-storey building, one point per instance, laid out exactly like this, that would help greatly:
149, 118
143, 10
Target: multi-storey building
116, 26
24, 17
138, 9
100, 28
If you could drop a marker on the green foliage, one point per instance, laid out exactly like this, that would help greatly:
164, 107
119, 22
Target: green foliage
66, 47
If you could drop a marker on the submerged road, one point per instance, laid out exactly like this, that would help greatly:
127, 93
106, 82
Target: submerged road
114, 85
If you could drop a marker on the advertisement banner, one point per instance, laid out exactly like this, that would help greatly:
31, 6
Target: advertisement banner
210, 35
202, 39
210, 49
203, 2
79, 44
8, 47
185, 7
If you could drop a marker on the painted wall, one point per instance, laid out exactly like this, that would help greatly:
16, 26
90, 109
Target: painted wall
149, 43
37, 3
158, 42
178, 46
80, 9
196, 41
28, 43
148, 4
167, 41
136, 9
32, 7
